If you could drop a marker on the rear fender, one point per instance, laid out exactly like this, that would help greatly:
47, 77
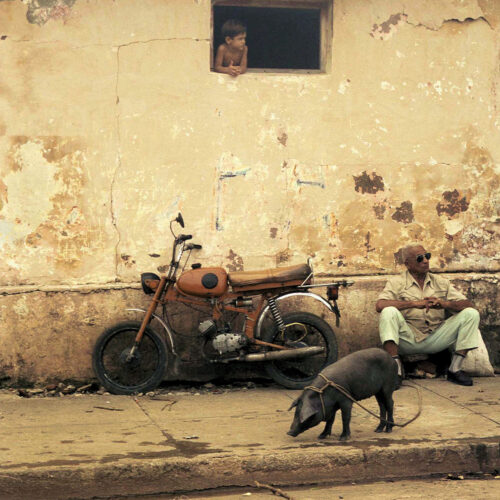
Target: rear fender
266, 310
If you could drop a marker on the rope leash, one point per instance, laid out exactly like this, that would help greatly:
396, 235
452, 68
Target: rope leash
331, 383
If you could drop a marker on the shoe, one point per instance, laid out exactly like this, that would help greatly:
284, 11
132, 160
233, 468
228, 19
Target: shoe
460, 378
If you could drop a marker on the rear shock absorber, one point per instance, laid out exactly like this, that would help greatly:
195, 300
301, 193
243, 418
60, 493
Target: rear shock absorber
276, 313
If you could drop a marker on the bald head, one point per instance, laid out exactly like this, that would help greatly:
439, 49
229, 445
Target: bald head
410, 255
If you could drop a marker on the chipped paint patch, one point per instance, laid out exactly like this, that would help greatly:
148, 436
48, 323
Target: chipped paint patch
343, 86
53, 220
283, 256
41, 11
282, 137
453, 227
453, 203
235, 262
387, 29
379, 210
387, 86
368, 183
404, 213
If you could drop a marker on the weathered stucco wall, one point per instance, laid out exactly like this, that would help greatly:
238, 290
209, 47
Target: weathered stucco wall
111, 122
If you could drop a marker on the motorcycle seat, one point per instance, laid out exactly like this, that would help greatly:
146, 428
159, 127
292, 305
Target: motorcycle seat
276, 275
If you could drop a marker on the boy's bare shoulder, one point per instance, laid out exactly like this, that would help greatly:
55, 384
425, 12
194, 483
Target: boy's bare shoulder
222, 48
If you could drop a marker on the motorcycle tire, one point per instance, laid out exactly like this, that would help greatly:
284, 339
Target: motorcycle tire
142, 373
305, 330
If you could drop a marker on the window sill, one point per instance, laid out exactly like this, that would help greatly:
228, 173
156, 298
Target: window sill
279, 71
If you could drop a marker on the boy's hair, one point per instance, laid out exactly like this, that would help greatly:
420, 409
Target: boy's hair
232, 27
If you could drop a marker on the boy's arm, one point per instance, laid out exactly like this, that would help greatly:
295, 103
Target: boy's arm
219, 58
243, 63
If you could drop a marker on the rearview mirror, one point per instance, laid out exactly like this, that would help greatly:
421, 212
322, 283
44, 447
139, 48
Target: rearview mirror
180, 220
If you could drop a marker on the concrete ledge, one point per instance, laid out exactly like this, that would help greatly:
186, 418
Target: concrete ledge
48, 333
292, 469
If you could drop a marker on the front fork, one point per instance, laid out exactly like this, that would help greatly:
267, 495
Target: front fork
147, 318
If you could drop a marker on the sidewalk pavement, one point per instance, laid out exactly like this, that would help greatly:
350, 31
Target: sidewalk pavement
100, 445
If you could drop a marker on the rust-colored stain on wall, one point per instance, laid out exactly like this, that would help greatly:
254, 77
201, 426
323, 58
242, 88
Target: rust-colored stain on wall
379, 209
368, 183
404, 213
235, 262
453, 203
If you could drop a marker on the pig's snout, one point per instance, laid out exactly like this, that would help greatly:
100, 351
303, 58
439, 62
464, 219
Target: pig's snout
293, 433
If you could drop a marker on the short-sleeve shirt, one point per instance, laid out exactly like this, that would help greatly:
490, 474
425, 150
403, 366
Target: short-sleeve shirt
405, 287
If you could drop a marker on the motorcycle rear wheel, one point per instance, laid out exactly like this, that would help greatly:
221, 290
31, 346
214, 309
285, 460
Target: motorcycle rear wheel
302, 328
142, 373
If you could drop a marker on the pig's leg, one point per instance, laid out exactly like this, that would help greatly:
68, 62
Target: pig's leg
346, 408
327, 431
383, 411
389, 403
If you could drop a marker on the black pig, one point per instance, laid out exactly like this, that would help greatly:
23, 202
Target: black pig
365, 373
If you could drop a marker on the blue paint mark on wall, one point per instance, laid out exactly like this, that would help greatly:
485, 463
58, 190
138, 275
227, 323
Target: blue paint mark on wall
222, 176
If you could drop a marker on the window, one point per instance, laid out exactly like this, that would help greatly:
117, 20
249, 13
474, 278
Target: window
282, 35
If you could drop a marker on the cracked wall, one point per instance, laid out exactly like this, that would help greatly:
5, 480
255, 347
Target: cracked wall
111, 122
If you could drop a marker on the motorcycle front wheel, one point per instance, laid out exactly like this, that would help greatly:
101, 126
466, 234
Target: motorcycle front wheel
302, 330
117, 371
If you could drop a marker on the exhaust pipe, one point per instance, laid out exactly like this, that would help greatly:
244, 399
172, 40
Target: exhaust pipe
302, 352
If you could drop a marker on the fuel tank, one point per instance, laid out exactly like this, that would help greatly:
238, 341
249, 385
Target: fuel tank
203, 282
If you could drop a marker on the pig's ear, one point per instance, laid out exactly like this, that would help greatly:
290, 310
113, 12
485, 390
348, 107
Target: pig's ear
310, 407
294, 404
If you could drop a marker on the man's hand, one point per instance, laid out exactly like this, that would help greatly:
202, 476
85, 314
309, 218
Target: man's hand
435, 303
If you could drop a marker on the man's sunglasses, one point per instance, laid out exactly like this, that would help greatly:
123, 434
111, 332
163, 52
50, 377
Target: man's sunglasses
420, 258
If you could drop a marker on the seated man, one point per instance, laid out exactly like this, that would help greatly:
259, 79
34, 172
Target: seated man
412, 310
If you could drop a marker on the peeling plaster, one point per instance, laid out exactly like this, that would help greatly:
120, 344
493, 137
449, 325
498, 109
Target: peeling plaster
453, 203
386, 30
41, 11
368, 183
52, 221
379, 209
404, 213
235, 262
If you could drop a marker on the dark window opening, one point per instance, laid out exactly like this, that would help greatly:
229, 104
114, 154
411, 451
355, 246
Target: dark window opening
277, 38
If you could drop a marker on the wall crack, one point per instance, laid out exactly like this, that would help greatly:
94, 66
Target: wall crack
467, 20
118, 164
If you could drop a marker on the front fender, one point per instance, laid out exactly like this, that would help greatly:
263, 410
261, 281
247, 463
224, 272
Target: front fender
265, 311
165, 326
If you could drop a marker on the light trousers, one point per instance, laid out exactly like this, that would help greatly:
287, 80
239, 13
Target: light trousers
458, 332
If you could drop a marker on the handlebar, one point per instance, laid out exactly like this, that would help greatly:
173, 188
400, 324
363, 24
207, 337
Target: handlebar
193, 246
184, 237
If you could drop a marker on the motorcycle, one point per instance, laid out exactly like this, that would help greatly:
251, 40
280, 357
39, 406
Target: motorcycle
131, 357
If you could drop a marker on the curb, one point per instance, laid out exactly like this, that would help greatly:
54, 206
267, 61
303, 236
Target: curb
342, 463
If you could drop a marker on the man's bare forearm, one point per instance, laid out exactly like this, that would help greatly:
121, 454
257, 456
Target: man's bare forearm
398, 304
456, 305
427, 303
